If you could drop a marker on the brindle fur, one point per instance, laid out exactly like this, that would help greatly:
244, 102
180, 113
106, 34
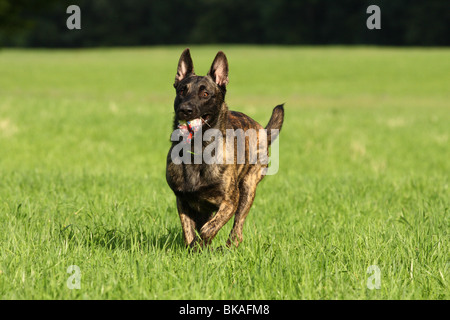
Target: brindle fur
204, 189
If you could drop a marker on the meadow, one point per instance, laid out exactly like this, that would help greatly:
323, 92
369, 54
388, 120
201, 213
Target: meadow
362, 181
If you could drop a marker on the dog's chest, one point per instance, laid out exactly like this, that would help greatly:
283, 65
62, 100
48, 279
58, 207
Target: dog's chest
192, 178
200, 186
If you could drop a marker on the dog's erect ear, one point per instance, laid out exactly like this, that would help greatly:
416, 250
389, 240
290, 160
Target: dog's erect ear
219, 69
185, 67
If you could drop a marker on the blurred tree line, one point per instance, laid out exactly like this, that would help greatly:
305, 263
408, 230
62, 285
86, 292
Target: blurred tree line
42, 23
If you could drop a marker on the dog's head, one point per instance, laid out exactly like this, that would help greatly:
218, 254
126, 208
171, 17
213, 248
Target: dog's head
200, 98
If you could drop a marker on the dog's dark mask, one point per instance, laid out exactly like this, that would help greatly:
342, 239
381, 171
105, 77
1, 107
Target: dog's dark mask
199, 97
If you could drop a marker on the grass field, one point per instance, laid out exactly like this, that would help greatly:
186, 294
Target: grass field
363, 177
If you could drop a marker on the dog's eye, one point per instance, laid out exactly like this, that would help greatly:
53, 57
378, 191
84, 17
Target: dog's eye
205, 94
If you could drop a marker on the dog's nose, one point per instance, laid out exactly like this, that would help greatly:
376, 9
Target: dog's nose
186, 110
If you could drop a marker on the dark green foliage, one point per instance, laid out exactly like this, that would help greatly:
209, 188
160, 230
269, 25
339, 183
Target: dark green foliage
42, 23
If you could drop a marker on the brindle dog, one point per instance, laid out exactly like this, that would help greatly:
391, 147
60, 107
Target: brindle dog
204, 189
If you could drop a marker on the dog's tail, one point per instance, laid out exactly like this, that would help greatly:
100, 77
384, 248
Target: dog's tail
275, 122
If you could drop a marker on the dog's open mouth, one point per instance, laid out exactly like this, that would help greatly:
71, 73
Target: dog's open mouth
188, 128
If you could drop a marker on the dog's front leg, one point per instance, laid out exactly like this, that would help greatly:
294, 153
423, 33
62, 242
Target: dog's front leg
187, 223
226, 211
247, 191
245, 203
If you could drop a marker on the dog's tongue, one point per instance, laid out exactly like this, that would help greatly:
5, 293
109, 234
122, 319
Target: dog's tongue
190, 127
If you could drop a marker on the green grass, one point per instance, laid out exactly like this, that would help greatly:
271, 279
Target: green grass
363, 178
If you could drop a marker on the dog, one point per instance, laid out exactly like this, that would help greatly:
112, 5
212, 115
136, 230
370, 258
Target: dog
202, 189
